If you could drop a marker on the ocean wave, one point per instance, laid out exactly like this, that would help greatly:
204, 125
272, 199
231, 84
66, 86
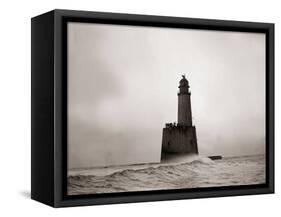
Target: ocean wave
168, 163
183, 172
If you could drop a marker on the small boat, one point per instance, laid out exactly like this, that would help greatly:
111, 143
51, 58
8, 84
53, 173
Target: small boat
216, 157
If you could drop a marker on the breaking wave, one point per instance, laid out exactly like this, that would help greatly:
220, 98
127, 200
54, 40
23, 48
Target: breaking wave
173, 173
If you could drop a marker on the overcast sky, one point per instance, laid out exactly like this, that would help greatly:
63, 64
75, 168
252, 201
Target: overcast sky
123, 83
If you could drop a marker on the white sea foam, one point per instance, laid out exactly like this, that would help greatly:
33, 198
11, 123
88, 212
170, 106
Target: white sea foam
174, 173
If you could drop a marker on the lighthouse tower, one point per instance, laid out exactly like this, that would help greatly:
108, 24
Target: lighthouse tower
184, 106
180, 138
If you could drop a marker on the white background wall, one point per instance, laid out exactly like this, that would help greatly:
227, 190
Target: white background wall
15, 107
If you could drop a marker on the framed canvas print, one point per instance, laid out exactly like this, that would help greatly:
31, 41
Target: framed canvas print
131, 108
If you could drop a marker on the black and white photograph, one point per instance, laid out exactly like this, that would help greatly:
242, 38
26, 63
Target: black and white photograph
157, 108
140, 108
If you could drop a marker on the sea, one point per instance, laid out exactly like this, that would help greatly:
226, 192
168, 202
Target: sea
173, 173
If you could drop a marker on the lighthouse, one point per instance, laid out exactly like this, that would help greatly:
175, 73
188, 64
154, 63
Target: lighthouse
184, 106
180, 137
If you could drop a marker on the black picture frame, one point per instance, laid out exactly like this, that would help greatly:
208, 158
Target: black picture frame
49, 106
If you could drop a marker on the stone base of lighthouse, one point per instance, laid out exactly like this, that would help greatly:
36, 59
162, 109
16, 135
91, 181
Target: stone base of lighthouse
179, 140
